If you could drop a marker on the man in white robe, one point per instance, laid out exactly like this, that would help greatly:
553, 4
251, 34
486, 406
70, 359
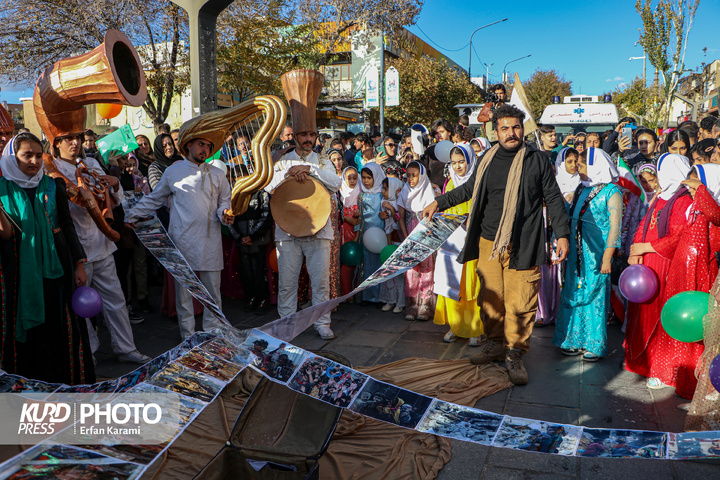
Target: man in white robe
100, 266
199, 195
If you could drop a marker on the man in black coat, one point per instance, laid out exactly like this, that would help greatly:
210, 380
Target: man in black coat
506, 234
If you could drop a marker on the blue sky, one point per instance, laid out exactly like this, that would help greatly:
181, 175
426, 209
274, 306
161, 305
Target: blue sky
587, 42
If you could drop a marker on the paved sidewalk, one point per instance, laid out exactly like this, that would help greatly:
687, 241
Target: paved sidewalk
561, 389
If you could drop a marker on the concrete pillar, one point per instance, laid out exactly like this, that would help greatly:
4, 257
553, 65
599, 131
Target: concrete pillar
203, 51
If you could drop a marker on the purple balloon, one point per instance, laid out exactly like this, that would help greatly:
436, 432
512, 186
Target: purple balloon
86, 302
638, 283
714, 373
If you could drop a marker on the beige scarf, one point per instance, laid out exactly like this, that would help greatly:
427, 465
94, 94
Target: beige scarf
512, 190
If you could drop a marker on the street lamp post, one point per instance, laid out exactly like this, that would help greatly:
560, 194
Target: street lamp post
504, 77
471, 37
643, 58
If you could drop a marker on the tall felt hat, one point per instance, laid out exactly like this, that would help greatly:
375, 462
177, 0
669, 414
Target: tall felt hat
6, 123
302, 90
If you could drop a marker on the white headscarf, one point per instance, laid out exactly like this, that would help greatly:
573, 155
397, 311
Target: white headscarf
484, 143
393, 185
672, 170
567, 183
600, 168
378, 176
11, 170
469, 154
414, 199
709, 175
349, 195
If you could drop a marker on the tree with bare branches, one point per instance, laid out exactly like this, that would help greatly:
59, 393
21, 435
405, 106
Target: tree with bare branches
37, 33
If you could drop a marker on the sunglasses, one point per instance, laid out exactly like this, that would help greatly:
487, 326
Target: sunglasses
389, 144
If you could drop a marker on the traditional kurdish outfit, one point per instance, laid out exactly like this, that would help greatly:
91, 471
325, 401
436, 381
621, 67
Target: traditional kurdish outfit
693, 268
662, 227
42, 338
595, 222
350, 198
419, 296
463, 315
392, 292
200, 194
335, 217
371, 205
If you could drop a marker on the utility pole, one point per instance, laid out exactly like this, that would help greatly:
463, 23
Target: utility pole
381, 87
471, 37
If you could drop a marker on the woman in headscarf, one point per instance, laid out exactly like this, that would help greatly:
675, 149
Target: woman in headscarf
655, 243
417, 194
42, 263
337, 158
350, 194
392, 292
165, 155
144, 154
462, 315
595, 222
566, 172
693, 268
371, 176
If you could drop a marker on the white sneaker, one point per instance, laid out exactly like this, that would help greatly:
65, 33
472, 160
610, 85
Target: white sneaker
398, 310
449, 337
475, 341
387, 307
409, 318
133, 357
325, 332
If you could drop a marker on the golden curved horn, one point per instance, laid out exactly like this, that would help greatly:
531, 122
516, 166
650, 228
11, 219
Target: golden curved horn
216, 126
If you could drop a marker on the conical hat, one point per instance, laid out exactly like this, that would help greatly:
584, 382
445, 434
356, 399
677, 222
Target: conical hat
302, 90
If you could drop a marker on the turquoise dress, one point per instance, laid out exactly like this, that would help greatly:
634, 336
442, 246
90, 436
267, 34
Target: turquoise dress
585, 298
371, 205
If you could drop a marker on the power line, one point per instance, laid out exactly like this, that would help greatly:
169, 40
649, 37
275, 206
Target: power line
478, 57
438, 46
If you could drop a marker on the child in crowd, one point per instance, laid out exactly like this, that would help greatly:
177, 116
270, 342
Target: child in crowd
595, 222
566, 172
462, 315
371, 176
392, 292
417, 194
350, 193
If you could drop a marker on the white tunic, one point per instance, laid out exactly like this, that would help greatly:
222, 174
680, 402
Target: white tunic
199, 195
321, 169
97, 246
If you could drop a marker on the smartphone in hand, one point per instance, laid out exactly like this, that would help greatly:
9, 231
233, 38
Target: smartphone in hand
627, 132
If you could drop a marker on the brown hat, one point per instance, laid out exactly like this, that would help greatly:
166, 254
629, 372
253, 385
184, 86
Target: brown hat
6, 123
302, 90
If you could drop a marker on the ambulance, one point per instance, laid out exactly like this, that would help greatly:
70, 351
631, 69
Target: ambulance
581, 113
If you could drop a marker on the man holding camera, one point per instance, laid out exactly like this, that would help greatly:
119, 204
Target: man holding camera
495, 99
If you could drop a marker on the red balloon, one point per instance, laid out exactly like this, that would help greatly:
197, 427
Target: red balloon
108, 110
272, 260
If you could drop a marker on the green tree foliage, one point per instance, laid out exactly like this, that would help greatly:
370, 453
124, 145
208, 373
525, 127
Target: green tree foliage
663, 36
429, 89
542, 86
636, 100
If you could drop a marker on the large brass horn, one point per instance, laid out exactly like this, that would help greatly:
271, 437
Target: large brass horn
110, 73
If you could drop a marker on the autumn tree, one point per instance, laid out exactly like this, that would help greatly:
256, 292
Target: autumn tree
664, 36
258, 41
37, 33
334, 19
542, 86
429, 89
636, 100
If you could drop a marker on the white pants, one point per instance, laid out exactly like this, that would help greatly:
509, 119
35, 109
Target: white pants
184, 304
102, 276
317, 261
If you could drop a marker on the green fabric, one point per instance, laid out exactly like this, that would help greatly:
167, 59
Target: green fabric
37, 257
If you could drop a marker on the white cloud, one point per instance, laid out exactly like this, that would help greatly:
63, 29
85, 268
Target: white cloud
609, 80
622, 85
618, 79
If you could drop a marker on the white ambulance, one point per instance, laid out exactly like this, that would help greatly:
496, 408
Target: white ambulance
580, 113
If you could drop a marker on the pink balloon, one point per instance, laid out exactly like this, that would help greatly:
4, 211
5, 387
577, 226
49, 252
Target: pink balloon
638, 283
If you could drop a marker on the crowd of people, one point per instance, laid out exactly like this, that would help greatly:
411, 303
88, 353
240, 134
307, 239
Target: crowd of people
551, 226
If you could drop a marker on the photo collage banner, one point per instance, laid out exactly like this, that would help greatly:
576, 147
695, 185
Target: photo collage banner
200, 367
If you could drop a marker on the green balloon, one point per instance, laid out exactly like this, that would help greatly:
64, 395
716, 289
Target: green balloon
682, 316
351, 254
386, 252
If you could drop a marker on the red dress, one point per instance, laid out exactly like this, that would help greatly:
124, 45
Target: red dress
693, 267
347, 273
644, 319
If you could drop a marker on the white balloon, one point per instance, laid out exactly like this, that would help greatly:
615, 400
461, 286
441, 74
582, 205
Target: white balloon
219, 164
442, 150
375, 239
